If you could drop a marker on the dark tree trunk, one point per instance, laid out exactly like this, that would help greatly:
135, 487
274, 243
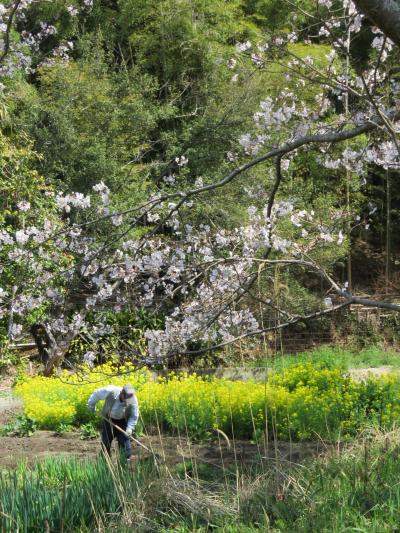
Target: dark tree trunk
50, 351
383, 13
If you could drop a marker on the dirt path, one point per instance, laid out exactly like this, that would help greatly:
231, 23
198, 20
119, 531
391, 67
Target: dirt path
41, 445
362, 373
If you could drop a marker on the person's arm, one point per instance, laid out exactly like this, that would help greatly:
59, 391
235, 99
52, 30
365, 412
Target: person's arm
99, 394
132, 420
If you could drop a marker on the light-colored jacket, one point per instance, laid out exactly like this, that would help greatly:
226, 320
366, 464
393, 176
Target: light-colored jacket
113, 407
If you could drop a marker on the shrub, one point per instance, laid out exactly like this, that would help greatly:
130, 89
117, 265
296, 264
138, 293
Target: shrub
88, 431
22, 426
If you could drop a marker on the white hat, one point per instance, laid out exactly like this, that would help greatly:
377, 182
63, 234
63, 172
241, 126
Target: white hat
129, 393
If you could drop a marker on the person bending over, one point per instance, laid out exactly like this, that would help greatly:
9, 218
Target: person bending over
120, 409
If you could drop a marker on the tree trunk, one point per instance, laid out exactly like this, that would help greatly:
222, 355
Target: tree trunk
388, 231
51, 351
383, 13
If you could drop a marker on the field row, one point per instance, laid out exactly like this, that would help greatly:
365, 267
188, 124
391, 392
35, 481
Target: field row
300, 403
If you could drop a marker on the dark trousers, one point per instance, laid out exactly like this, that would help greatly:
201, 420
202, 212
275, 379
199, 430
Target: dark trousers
108, 432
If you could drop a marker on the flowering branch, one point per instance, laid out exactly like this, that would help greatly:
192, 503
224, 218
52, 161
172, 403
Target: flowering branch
9, 23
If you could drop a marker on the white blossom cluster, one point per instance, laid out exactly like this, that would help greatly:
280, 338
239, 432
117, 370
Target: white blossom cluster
198, 273
20, 51
77, 199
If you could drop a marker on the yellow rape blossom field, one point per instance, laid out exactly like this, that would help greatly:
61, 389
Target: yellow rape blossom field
300, 403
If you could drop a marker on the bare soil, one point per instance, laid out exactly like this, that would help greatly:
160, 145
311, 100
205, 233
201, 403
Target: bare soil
172, 450
41, 445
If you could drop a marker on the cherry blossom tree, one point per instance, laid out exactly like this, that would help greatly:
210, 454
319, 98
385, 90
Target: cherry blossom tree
211, 283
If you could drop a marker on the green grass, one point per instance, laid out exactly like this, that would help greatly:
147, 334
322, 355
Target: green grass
357, 490
352, 489
65, 494
332, 357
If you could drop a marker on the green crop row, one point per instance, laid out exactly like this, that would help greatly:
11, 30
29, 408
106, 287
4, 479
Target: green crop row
354, 489
64, 495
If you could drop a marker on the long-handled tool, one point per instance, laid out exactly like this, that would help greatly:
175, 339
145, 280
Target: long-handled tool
155, 455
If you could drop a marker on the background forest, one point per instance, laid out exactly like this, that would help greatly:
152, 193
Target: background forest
146, 96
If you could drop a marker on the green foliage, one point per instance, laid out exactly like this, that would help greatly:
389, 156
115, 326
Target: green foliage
272, 15
22, 426
205, 472
66, 494
63, 428
88, 431
19, 181
353, 491
176, 41
8, 357
333, 357
125, 335
93, 136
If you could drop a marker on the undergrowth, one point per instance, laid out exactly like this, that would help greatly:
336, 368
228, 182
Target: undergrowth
333, 357
353, 488
20, 426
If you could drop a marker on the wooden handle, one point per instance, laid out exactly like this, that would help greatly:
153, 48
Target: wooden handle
127, 435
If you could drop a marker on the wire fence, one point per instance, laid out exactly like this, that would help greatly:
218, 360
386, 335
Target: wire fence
353, 326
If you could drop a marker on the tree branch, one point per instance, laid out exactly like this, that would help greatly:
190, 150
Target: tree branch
294, 320
8, 30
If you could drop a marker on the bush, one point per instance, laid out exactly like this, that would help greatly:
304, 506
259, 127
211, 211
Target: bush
88, 431
22, 426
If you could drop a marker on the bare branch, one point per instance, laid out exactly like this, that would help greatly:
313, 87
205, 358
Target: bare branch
350, 298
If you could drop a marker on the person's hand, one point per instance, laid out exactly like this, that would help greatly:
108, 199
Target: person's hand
129, 432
